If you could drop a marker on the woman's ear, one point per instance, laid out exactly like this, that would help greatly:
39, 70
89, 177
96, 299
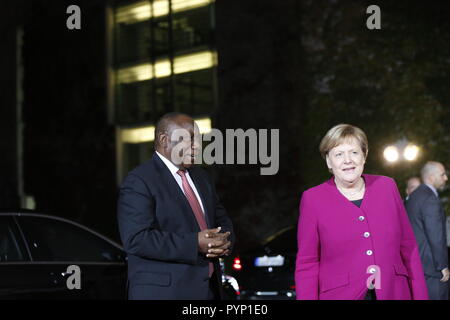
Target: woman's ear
327, 159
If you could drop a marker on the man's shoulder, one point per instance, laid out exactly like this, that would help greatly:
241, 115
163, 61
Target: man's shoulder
143, 169
143, 172
422, 190
422, 193
199, 172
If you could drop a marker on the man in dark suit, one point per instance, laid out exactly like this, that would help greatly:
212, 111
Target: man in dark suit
172, 225
427, 218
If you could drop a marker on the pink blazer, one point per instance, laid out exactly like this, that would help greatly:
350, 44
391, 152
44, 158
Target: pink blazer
338, 242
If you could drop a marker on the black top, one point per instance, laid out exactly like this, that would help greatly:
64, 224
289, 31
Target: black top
357, 202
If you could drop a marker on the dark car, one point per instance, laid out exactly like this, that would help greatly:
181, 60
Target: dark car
267, 272
36, 251
38, 255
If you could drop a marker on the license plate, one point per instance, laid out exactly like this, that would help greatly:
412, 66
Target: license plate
265, 261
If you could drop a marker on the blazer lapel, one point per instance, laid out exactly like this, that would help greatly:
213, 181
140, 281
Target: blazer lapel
368, 181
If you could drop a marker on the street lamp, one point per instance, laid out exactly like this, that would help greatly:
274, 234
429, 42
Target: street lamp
409, 151
391, 154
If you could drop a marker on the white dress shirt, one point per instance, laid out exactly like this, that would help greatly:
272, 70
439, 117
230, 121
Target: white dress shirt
173, 169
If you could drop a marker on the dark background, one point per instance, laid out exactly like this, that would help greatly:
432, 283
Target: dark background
300, 66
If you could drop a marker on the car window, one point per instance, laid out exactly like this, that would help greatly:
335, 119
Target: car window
55, 240
11, 247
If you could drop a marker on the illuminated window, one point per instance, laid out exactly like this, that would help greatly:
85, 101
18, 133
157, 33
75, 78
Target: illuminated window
147, 133
136, 73
144, 10
162, 68
195, 61
136, 12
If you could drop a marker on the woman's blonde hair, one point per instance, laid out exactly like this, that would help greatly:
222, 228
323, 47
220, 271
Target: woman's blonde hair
341, 133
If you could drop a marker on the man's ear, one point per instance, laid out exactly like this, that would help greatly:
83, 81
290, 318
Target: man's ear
162, 140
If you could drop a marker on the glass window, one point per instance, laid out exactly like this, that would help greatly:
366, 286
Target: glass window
163, 99
134, 102
192, 29
133, 42
138, 103
194, 92
136, 153
55, 240
137, 39
11, 247
160, 37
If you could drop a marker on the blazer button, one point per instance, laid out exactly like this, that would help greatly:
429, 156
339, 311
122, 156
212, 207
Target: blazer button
361, 218
369, 252
366, 234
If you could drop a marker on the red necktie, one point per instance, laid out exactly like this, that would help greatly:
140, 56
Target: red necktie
195, 206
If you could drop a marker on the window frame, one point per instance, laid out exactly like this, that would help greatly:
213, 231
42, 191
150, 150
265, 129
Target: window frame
20, 241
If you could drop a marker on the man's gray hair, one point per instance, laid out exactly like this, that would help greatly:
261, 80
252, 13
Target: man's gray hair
429, 169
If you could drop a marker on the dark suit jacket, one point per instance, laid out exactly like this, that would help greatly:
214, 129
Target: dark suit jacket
159, 233
427, 218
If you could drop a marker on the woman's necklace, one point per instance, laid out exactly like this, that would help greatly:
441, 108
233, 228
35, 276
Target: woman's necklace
350, 194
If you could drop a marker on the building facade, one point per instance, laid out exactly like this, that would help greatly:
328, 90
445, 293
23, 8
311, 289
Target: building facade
162, 59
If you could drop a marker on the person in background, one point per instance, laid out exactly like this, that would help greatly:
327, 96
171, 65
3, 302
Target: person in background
412, 185
428, 220
355, 241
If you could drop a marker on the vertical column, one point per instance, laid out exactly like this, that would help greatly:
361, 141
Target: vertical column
9, 168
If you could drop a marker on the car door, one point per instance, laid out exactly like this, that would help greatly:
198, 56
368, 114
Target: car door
19, 277
56, 244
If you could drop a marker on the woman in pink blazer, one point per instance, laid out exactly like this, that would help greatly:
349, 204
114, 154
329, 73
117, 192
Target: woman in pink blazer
354, 237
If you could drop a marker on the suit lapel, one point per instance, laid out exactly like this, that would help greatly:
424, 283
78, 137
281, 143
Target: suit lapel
174, 188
